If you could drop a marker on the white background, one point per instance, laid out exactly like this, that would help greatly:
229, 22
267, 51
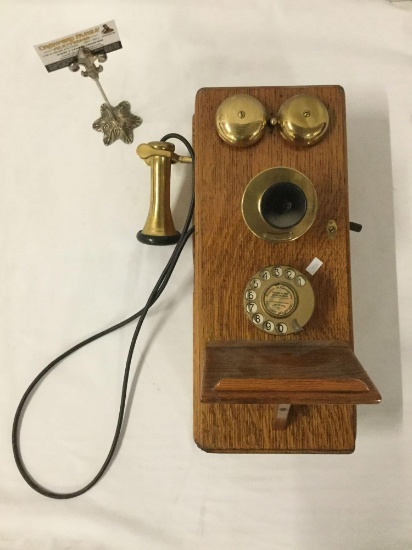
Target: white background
70, 208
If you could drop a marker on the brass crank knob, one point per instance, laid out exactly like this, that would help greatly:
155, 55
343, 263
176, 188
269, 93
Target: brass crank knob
303, 119
241, 120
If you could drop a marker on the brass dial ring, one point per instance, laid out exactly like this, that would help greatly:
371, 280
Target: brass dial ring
279, 300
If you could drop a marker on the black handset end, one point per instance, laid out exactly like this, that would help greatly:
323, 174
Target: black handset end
157, 240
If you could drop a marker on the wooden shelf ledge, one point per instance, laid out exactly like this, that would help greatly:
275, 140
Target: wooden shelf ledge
287, 372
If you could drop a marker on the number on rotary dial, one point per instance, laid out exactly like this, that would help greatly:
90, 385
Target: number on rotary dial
278, 299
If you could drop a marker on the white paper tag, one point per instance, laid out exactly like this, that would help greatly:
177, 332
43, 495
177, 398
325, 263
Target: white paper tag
59, 53
314, 265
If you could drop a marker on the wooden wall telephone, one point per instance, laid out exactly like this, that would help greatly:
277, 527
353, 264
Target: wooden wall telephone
274, 368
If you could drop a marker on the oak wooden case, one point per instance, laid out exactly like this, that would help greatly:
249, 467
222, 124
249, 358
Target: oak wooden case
227, 346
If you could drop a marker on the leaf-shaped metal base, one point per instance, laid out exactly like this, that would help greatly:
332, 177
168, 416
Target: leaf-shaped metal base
117, 123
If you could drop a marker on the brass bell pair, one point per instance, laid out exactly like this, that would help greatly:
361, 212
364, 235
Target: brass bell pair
241, 120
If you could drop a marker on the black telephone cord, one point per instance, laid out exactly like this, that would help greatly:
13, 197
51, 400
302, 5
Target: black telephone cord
159, 287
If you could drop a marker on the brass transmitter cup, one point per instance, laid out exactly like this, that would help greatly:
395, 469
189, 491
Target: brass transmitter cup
159, 228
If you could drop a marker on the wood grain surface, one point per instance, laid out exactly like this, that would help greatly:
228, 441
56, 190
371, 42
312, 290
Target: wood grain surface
227, 254
288, 372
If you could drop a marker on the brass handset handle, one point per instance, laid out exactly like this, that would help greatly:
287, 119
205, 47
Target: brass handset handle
159, 228
159, 149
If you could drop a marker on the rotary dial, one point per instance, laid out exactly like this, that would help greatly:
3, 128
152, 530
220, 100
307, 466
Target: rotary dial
279, 300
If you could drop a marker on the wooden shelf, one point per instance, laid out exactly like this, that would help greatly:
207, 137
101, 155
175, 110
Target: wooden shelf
297, 373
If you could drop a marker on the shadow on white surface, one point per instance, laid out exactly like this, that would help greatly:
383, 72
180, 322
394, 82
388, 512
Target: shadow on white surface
373, 256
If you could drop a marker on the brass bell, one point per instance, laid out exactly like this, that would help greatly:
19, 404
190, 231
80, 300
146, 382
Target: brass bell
159, 228
241, 120
303, 119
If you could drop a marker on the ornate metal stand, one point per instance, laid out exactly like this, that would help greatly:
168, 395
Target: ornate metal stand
115, 122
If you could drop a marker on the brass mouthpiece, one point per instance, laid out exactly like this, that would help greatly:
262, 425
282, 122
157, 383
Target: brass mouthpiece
159, 228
